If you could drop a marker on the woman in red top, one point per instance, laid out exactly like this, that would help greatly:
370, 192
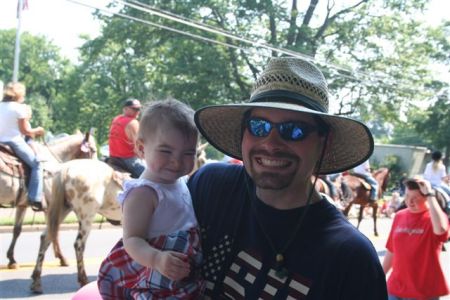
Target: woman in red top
414, 246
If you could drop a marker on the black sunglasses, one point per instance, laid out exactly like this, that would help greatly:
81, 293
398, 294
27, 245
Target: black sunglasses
136, 108
289, 131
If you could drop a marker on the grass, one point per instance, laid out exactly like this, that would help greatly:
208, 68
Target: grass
38, 218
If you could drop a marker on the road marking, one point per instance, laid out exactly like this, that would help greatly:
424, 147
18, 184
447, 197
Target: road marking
54, 264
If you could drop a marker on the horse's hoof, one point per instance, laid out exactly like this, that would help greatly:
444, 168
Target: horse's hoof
36, 289
13, 266
63, 263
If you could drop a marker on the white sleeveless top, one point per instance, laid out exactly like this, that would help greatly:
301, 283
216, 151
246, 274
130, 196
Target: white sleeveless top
174, 211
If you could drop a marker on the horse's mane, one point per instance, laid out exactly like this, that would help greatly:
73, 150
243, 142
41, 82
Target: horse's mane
60, 144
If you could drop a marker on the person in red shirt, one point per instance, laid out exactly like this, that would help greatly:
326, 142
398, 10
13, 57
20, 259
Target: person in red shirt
414, 246
122, 137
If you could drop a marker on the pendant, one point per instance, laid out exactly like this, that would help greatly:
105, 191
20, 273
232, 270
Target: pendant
280, 271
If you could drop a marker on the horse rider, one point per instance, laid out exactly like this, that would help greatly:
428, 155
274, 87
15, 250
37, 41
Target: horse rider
14, 126
122, 136
364, 171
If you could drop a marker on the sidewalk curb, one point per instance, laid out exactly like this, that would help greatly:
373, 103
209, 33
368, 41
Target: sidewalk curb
41, 227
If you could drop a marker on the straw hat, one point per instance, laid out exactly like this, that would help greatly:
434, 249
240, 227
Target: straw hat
296, 85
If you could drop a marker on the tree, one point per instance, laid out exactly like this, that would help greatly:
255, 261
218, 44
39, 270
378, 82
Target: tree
377, 63
437, 123
41, 69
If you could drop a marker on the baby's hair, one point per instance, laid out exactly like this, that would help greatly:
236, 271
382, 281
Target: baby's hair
13, 91
169, 113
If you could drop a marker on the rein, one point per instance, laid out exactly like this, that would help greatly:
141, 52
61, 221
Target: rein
52, 153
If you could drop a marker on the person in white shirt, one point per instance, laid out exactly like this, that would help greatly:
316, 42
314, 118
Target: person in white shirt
14, 125
365, 171
435, 172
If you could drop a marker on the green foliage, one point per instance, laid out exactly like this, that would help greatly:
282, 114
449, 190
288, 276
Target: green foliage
41, 69
376, 57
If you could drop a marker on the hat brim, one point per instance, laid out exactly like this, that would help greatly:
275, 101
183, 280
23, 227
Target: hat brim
351, 142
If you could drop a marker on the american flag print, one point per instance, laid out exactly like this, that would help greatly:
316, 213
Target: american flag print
247, 268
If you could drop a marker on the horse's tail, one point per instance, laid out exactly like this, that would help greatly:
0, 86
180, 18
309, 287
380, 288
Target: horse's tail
55, 207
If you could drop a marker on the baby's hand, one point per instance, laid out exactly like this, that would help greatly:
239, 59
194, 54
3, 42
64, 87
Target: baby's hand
174, 265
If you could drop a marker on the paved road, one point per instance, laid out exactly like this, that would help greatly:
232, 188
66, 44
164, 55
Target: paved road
61, 283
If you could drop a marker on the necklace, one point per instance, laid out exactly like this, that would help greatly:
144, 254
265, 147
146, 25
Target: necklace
280, 269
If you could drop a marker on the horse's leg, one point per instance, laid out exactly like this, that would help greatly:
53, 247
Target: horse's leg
360, 215
20, 214
347, 209
56, 248
36, 284
80, 244
375, 209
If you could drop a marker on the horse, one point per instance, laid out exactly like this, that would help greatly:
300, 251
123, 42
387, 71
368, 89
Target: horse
12, 179
361, 194
341, 189
86, 187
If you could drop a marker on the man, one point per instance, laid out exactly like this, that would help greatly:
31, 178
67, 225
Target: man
266, 233
365, 171
122, 136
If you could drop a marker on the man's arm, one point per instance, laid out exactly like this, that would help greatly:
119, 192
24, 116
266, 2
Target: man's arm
131, 130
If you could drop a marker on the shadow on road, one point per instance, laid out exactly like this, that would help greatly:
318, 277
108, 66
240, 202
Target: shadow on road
51, 284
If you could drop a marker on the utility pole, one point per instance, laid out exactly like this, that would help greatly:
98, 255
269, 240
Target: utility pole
17, 47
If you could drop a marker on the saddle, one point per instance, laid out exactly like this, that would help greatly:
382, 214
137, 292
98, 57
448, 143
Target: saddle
117, 164
12, 165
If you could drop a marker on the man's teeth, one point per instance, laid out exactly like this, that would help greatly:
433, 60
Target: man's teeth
272, 162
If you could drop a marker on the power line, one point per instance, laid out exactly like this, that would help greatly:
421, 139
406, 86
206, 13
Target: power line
150, 10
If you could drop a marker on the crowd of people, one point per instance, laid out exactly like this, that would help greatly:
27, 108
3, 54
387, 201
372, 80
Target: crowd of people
256, 228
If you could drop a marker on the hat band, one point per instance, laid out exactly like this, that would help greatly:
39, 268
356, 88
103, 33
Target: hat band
288, 97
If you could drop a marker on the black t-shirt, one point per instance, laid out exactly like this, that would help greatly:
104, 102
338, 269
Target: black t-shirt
328, 257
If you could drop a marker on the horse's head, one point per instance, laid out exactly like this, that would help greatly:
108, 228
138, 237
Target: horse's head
382, 176
88, 147
74, 146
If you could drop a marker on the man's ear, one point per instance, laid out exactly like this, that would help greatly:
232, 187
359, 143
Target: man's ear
139, 148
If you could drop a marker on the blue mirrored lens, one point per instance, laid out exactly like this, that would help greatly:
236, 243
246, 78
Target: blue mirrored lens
290, 131
259, 127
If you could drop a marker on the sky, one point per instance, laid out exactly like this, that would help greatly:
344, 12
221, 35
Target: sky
62, 21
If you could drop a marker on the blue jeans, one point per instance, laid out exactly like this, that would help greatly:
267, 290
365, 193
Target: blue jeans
36, 183
443, 187
392, 297
374, 184
135, 165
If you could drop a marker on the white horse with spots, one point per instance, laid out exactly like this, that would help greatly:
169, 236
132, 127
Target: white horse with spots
86, 187
13, 191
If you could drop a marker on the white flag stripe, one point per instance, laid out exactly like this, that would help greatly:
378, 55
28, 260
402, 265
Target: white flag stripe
250, 278
235, 268
270, 290
250, 260
299, 287
234, 285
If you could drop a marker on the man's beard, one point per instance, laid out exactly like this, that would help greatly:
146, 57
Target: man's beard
272, 180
